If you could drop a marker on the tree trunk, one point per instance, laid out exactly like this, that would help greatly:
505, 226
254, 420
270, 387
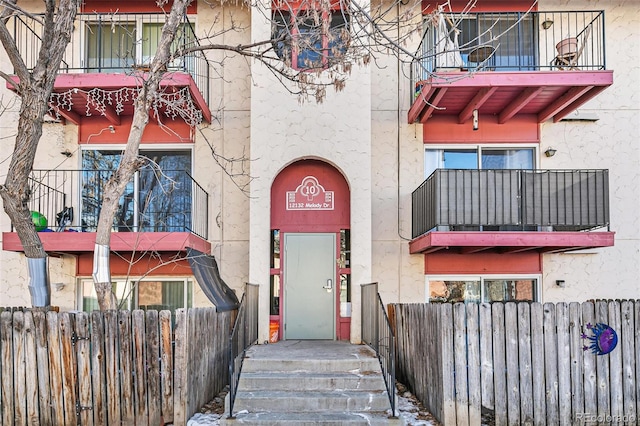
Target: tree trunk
130, 163
35, 89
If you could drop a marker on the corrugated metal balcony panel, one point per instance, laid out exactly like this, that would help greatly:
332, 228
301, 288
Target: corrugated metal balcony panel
512, 200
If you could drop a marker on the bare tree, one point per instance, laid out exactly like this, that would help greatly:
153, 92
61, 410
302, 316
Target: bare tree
34, 86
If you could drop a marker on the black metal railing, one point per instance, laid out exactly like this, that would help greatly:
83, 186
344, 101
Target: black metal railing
512, 41
243, 335
378, 334
511, 200
115, 43
154, 201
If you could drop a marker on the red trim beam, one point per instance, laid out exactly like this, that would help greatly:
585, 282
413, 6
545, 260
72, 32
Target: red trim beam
510, 242
78, 242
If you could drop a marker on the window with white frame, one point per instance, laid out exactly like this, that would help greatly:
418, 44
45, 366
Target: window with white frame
147, 293
158, 198
489, 288
478, 157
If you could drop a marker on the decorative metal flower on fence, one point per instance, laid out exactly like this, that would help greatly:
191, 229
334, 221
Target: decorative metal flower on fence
603, 340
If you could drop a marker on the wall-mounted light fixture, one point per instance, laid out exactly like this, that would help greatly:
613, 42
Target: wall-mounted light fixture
475, 119
550, 152
66, 153
546, 24
58, 286
560, 283
112, 129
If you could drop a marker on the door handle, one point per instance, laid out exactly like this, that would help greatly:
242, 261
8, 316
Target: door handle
329, 285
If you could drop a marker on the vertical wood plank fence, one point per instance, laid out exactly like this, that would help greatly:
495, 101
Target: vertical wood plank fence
520, 363
114, 367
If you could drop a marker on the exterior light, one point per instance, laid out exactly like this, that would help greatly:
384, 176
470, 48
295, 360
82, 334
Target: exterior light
475, 119
550, 152
546, 24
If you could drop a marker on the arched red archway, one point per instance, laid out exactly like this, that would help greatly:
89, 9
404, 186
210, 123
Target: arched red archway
310, 202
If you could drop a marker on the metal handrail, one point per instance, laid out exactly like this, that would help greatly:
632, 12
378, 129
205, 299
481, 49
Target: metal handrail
162, 200
512, 42
378, 334
243, 335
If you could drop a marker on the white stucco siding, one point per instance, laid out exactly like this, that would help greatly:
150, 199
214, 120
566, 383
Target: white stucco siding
609, 143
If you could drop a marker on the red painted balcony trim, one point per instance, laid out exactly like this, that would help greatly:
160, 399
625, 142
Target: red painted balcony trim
510, 242
78, 242
543, 94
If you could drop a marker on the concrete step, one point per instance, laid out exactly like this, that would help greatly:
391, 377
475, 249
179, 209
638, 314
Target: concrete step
296, 400
316, 365
311, 419
306, 381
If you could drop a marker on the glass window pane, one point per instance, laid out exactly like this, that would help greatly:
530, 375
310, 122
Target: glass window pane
460, 159
454, 291
345, 295
161, 295
507, 158
110, 46
505, 290
274, 295
121, 289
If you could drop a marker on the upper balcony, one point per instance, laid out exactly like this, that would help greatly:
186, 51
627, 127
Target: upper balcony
107, 59
541, 64
160, 211
511, 211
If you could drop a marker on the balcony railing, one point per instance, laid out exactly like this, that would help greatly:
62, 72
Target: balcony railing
511, 200
154, 201
114, 43
513, 41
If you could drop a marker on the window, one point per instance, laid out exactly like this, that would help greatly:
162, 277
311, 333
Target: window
149, 293
310, 39
481, 157
158, 199
127, 41
482, 289
515, 49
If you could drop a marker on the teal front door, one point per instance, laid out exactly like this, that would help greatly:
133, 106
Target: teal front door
309, 286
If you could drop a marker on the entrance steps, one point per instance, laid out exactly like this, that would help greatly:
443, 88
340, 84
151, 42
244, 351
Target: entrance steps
310, 382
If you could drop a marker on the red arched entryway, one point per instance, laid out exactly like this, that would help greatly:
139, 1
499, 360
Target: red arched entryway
310, 252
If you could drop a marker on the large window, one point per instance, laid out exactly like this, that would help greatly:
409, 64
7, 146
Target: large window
478, 157
148, 293
309, 39
127, 41
158, 199
482, 289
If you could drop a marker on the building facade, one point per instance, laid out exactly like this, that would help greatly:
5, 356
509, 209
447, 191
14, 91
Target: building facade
503, 169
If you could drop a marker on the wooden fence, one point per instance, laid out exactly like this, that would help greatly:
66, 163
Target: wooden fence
107, 368
520, 364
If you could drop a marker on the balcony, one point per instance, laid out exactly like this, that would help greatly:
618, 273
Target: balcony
542, 65
511, 211
162, 211
105, 61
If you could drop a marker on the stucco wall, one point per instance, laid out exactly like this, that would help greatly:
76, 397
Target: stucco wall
609, 143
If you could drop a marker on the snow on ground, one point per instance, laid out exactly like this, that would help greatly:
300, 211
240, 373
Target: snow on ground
409, 408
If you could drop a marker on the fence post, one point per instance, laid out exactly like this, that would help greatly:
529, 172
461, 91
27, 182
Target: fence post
181, 372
